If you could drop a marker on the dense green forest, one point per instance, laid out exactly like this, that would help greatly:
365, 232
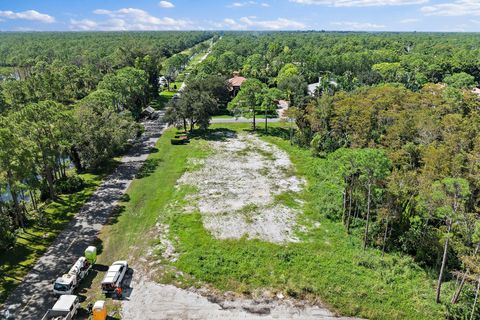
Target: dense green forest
71, 99
394, 120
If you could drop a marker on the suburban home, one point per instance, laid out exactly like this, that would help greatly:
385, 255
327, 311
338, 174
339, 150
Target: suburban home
235, 83
312, 88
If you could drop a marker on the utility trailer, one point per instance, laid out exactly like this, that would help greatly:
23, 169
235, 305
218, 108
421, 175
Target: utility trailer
64, 309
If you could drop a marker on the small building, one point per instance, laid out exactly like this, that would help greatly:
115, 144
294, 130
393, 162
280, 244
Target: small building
282, 107
313, 87
235, 83
148, 113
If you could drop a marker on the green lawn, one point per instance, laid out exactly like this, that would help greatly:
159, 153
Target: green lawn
247, 116
328, 264
33, 241
223, 116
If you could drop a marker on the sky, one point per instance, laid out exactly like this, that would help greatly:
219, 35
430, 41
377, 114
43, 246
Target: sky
351, 15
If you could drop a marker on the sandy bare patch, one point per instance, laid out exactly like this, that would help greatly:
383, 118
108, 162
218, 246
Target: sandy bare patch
149, 300
165, 246
237, 186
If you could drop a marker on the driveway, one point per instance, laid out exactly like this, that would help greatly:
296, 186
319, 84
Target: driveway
259, 121
33, 297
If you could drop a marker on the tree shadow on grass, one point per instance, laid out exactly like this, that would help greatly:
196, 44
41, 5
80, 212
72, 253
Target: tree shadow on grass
117, 211
148, 167
217, 134
283, 133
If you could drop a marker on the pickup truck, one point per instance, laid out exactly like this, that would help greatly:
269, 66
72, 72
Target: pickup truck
68, 282
64, 309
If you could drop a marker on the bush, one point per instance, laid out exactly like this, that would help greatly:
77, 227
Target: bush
177, 142
69, 184
7, 235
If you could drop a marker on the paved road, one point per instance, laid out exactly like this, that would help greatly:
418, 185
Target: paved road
242, 120
32, 298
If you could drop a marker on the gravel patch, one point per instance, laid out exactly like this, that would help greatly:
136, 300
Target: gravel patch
237, 189
151, 301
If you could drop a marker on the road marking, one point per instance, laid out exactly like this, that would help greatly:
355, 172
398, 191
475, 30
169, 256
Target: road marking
71, 243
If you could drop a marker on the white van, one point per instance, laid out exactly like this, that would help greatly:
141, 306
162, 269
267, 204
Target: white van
114, 277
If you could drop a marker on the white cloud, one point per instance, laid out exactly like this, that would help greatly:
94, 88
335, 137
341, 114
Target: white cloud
248, 4
129, 19
28, 15
84, 24
452, 9
409, 20
230, 22
251, 23
351, 25
166, 4
360, 3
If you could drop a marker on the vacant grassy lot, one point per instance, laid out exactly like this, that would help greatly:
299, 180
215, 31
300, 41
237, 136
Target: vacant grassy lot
328, 264
33, 241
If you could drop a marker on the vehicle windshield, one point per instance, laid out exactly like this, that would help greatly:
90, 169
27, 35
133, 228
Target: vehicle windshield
61, 287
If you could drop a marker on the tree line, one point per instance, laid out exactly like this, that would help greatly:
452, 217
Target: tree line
70, 101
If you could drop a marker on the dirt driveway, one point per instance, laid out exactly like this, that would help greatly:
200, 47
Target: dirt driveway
31, 299
152, 301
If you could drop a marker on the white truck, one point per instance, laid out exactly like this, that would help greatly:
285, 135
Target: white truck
64, 309
67, 283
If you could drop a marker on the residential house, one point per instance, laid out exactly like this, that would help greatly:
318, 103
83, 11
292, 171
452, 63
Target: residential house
235, 83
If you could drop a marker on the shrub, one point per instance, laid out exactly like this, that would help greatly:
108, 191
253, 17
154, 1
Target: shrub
69, 184
7, 236
177, 141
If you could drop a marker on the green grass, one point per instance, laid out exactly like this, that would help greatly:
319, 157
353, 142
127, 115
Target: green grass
223, 116
328, 264
148, 197
32, 242
247, 116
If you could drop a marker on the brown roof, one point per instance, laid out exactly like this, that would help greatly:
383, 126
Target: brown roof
236, 81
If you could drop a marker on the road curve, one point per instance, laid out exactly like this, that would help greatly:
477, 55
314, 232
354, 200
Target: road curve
33, 296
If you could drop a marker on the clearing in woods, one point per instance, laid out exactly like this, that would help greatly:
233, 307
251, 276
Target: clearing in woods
230, 218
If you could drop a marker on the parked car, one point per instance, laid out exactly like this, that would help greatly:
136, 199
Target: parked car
114, 277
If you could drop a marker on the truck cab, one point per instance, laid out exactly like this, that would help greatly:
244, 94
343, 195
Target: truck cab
65, 284
64, 309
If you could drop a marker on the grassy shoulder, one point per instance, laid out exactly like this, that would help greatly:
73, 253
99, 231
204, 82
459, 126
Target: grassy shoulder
32, 242
129, 236
328, 264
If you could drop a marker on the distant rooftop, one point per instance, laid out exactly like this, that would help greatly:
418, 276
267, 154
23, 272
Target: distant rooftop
237, 80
